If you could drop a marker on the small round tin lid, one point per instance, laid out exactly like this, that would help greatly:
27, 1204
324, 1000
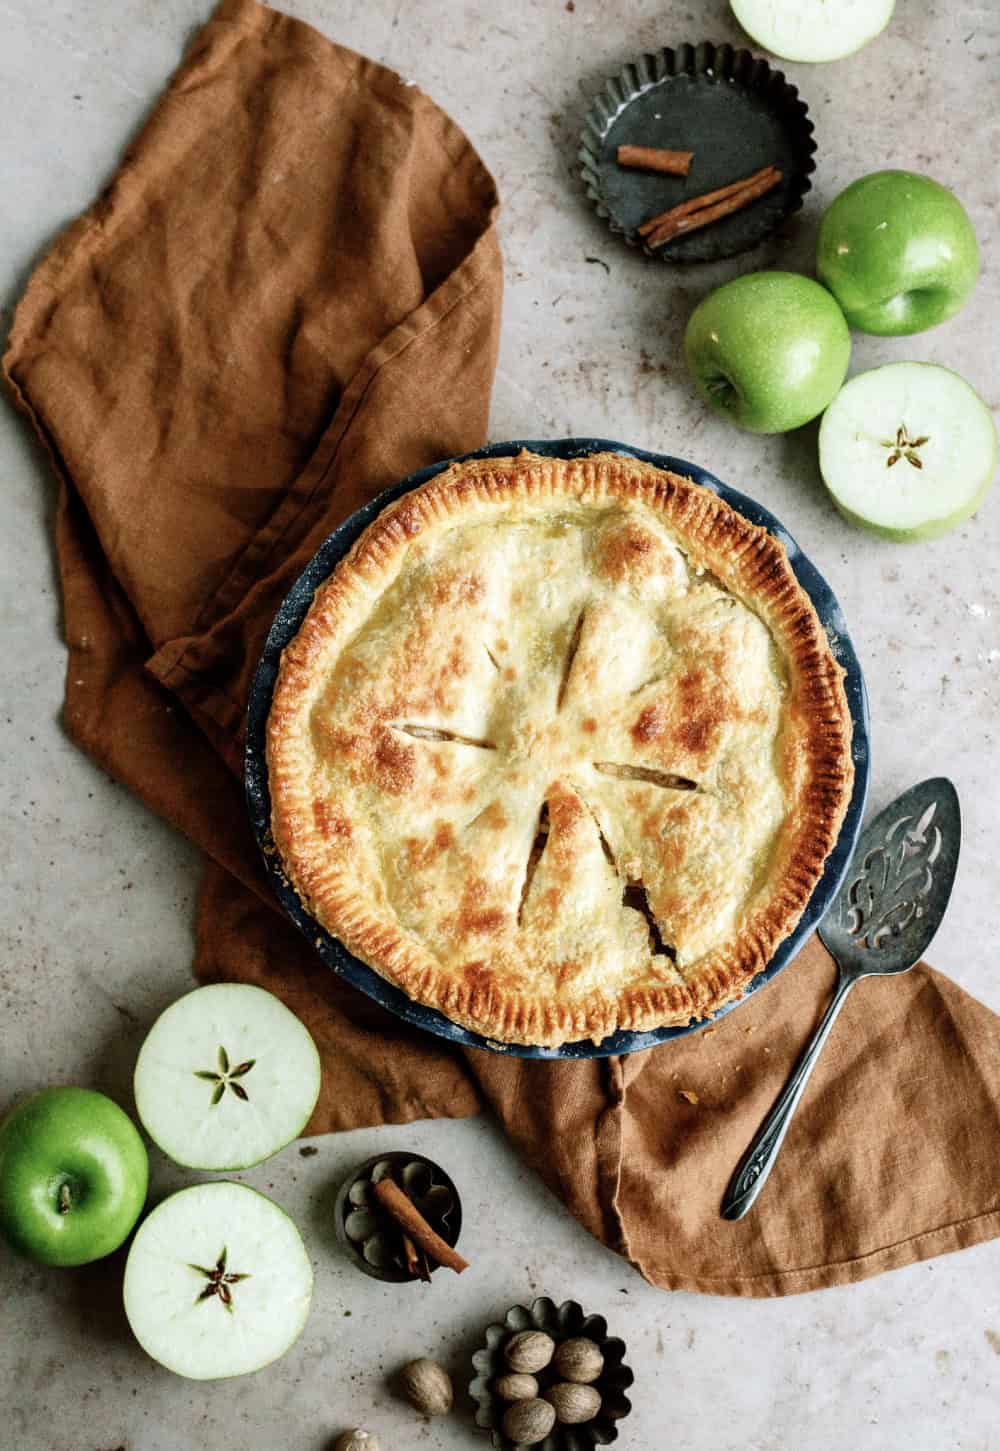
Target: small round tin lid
728, 107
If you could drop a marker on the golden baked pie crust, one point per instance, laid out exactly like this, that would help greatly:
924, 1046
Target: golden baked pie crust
704, 800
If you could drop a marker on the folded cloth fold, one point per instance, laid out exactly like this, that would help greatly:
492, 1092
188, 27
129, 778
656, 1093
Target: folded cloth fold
287, 299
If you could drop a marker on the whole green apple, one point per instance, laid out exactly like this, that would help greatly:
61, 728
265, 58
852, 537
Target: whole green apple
73, 1175
898, 252
769, 350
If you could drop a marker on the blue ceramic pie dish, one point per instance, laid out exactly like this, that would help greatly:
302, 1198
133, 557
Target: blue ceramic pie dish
286, 624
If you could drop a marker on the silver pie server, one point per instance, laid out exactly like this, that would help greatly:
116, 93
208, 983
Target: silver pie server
889, 906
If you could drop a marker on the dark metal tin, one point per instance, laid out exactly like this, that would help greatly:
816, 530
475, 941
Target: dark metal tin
398, 1161
727, 106
562, 1322
293, 611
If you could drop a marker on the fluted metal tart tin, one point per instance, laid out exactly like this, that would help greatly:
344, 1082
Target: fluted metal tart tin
727, 106
366, 1231
562, 1322
286, 625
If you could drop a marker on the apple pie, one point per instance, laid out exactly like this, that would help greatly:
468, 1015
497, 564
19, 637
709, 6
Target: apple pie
560, 748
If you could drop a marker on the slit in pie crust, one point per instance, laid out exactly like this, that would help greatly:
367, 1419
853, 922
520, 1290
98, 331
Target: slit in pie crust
560, 748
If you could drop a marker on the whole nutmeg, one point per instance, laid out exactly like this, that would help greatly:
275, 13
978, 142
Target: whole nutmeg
427, 1387
528, 1422
572, 1403
529, 1350
579, 1360
514, 1387
356, 1440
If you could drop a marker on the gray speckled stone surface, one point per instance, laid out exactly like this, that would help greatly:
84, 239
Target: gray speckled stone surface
96, 895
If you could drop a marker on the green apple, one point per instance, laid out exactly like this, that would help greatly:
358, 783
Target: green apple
769, 350
908, 450
813, 30
218, 1282
227, 1076
73, 1175
898, 252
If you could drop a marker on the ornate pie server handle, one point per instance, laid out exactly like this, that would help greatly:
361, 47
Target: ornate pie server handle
758, 1161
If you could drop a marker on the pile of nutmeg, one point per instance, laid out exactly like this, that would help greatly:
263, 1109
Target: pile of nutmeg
546, 1383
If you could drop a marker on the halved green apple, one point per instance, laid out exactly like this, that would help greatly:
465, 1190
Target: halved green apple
217, 1282
813, 30
227, 1076
907, 450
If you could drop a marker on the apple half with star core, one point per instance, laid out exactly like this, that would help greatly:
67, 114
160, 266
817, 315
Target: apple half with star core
226, 1077
908, 450
768, 350
217, 1282
813, 30
73, 1176
898, 252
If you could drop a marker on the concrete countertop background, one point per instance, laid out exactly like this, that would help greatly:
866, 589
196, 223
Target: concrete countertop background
96, 895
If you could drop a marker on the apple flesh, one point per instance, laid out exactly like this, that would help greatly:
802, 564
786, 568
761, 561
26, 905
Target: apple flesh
226, 1077
218, 1282
898, 252
73, 1176
908, 450
768, 350
813, 30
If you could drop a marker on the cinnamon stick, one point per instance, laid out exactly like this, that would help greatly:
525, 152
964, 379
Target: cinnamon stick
702, 218
695, 203
408, 1217
767, 174
410, 1255
655, 158
416, 1260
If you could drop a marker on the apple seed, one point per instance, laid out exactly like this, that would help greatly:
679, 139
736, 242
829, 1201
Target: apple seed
223, 1077
219, 1281
904, 447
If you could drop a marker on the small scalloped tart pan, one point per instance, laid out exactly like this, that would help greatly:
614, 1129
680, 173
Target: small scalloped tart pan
561, 1322
728, 107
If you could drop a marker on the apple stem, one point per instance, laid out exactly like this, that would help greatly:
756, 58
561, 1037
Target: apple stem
65, 1199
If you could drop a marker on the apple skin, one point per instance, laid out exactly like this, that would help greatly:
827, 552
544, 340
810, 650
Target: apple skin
933, 529
768, 350
898, 252
79, 1139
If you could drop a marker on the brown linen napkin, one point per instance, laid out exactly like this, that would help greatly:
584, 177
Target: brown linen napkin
287, 299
